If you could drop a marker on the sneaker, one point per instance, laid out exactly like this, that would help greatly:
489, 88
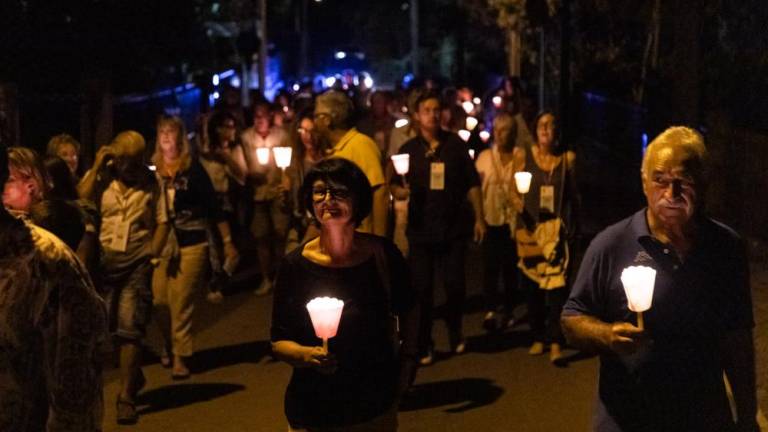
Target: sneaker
264, 289
428, 358
536, 349
489, 322
214, 297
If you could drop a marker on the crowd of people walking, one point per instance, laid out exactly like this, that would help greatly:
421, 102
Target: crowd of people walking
129, 242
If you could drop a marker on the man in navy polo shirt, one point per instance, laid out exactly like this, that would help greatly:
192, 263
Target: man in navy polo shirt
669, 375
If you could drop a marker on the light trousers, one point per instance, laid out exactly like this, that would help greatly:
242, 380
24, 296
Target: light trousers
174, 296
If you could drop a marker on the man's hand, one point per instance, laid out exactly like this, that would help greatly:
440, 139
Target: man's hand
625, 338
479, 230
103, 153
319, 359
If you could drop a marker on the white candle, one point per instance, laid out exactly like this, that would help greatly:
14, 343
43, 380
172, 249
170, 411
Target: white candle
282, 156
468, 106
496, 101
465, 134
638, 284
401, 123
471, 123
485, 135
523, 181
476, 100
262, 155
325, 313
401, 163
472, 154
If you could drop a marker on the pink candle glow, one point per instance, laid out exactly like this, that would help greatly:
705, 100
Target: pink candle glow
325, 313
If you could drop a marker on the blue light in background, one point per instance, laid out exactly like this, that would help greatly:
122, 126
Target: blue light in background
644, 138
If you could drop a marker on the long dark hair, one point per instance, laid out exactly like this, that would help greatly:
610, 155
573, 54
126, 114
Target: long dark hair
62, 183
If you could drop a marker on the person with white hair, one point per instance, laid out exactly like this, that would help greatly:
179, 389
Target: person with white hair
667, 373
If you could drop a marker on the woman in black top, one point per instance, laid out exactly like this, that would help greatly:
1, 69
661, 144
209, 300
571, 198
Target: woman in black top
356, 383
186, 209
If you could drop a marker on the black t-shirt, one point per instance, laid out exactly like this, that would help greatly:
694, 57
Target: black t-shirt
363, 387
439, 215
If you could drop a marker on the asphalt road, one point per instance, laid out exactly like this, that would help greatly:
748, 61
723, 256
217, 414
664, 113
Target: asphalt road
237, 386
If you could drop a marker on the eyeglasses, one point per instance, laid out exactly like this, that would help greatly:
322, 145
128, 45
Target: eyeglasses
320, 114
337, 194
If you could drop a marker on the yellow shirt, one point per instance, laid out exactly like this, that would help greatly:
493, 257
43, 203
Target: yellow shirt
363, 152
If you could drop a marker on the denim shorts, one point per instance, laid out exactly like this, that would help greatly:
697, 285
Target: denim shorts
128, 293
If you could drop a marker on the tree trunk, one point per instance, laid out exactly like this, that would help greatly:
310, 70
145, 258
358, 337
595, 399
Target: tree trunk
514, 50
9, 115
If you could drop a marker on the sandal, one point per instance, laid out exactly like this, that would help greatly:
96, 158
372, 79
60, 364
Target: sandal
126, 412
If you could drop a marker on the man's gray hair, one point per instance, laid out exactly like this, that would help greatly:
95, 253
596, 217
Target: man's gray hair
339, 106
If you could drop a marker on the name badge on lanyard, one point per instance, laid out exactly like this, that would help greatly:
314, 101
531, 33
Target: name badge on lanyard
120, 239
547, 198
437, 176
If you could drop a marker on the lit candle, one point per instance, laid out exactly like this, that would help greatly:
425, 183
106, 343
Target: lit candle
325, 313
523, 181
468, 106
262, 155
401, 123
476, 100
472, 154
401, 163
471, 123
485, 136
638, 284
282, 157
496, 101
465, 134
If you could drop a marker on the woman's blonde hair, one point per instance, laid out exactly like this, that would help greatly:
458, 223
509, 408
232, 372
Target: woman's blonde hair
57, 141
182, 142
28, 163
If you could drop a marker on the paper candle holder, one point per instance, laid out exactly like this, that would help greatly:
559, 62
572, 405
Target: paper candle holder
485, 136
471, 123
523, 181
401, 162
638, 284
325, 313
465, 134
282, 156
262, 155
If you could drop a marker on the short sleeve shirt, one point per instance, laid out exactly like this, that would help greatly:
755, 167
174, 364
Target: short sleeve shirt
676, 382
363, 152
439, 215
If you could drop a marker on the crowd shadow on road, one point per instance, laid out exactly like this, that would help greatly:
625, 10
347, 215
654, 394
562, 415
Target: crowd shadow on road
460, 395
230, 355
179, 395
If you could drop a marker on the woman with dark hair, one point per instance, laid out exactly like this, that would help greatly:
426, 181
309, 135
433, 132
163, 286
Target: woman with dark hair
218, 159
355, 384
548, 221
307, 151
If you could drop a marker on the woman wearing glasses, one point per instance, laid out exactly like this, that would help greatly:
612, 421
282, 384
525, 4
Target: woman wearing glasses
356, 383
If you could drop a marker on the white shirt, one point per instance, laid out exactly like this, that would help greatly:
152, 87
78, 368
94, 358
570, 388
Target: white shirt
498, 187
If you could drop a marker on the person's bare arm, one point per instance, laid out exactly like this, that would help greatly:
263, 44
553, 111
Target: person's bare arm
380, 210
475, 198
593, 335
87, 184
738, 352
300, 356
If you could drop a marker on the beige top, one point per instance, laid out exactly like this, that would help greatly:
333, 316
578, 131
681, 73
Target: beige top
498, 187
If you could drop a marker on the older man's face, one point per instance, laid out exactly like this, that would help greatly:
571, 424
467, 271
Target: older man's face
670, 187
